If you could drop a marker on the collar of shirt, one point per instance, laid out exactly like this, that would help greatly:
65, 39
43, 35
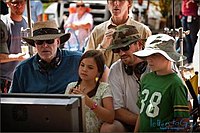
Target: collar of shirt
111, 24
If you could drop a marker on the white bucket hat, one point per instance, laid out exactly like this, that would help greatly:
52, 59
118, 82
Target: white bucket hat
162, 44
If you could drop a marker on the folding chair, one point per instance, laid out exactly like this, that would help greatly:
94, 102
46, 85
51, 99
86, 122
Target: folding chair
192, 85
73, 43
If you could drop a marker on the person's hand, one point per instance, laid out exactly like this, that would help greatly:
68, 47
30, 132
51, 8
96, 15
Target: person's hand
75, 27
72, 26
107, 38
4, 58
18, 57
76, 90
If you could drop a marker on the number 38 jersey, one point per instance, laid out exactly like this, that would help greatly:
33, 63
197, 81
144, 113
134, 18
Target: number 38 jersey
162, 98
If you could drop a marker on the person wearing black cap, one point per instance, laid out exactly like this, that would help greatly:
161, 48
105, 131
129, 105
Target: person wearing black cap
51, 69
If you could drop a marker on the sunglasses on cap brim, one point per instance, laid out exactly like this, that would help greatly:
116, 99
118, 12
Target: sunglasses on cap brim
126, 48
40, 42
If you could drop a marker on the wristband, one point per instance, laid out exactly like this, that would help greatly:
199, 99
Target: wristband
94, 106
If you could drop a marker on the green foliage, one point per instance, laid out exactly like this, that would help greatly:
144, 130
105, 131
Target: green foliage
45, 5
48, 1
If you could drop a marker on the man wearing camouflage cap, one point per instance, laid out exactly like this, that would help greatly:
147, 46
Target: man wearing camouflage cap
101, 35
124, 78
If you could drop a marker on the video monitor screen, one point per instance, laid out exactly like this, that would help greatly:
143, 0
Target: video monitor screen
42, 113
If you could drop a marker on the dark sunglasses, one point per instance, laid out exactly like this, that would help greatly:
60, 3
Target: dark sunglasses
18, 2
40, 42
126, 48
80, 5
112, 1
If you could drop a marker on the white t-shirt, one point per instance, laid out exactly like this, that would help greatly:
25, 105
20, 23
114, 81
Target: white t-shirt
124, 87
82, 34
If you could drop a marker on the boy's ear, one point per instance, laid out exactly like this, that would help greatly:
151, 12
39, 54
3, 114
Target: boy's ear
140, 45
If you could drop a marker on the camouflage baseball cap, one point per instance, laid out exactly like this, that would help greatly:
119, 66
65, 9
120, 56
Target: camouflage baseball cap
123, 36
162, 44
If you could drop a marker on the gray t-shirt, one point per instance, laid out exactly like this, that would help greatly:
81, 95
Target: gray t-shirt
14, 45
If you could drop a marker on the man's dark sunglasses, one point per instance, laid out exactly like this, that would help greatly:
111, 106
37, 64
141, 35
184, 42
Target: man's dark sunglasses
17, 2
40, 42
126, 48
80, 5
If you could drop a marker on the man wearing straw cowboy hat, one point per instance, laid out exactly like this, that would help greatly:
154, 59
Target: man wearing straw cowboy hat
51, 69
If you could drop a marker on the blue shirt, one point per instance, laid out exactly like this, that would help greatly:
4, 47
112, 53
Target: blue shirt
29, 79
36, 10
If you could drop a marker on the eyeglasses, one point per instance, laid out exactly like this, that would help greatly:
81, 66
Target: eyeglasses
40, 42
126, 48
80, 5
112, 1
17, 3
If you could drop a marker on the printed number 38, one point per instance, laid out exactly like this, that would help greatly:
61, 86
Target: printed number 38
152, 109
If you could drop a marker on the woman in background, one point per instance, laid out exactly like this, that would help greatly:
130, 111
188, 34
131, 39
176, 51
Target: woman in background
81, 22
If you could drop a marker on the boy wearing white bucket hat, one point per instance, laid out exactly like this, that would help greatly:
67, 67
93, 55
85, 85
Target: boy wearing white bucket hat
163, 96
51, 69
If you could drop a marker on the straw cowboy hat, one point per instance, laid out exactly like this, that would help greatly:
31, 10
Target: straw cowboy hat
45, 31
